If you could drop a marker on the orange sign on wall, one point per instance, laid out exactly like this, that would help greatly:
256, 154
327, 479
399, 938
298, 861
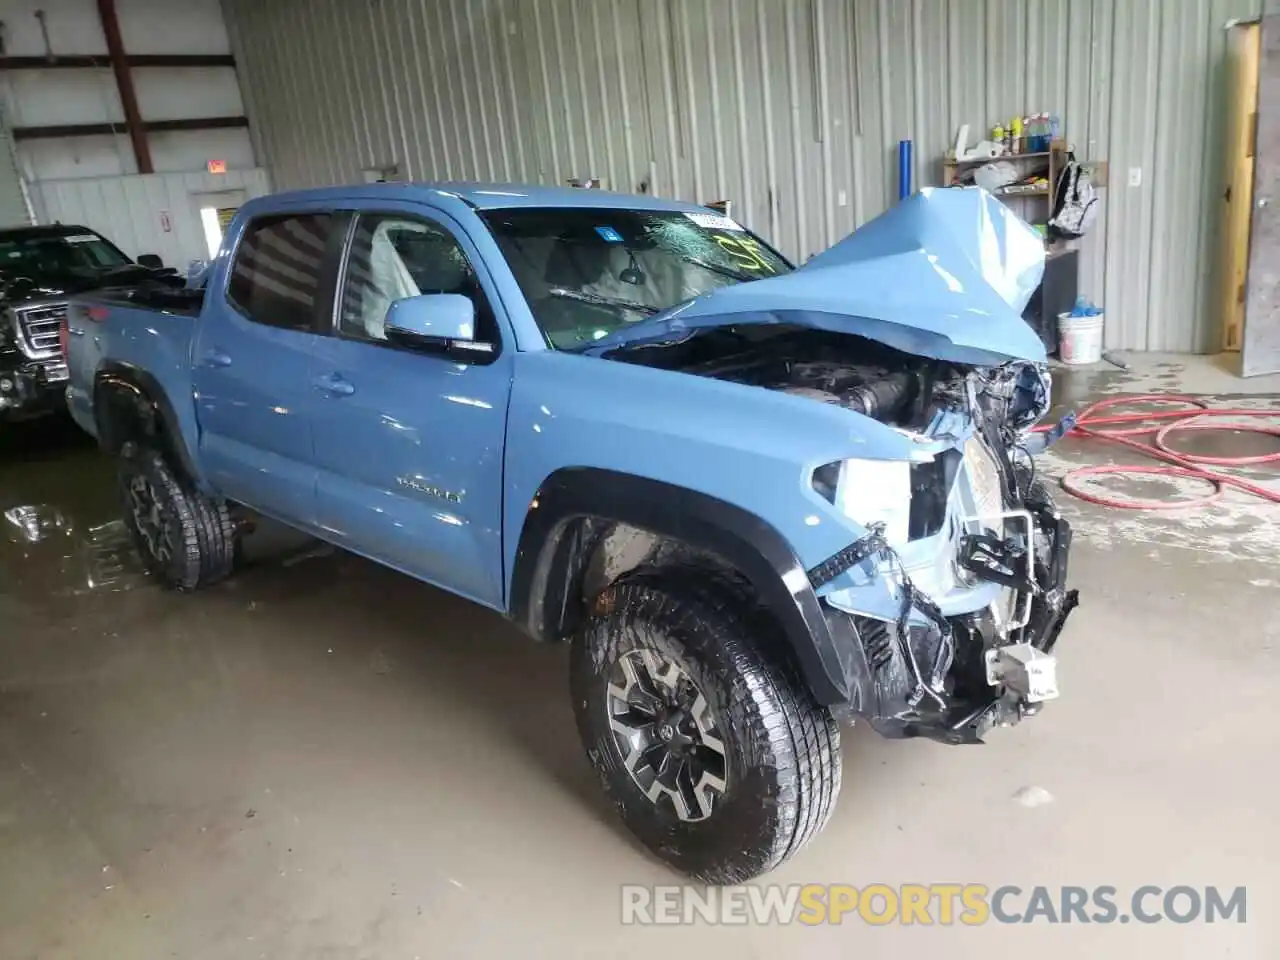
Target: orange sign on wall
217, 166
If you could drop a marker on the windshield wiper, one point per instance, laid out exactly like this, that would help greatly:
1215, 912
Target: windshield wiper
740, 276
601, 301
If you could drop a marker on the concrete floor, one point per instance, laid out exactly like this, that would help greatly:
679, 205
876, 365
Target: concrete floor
325, 759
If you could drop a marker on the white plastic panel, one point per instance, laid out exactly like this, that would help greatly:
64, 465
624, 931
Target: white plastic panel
133, 211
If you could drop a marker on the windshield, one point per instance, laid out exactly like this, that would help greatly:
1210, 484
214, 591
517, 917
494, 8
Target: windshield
589, 272
73, 253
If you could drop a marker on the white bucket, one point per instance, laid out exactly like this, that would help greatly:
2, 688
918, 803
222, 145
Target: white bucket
1080, 338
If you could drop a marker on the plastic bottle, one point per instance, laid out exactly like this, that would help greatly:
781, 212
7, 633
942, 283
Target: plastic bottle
1016, 133
1055, 128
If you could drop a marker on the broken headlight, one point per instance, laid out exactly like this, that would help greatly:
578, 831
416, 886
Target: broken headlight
869, 491
909, 498
930, 484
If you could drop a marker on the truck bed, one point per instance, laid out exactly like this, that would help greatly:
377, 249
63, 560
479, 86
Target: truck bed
148, 329
182, 301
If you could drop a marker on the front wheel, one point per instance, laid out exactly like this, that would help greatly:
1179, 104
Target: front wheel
703, 735
185, 540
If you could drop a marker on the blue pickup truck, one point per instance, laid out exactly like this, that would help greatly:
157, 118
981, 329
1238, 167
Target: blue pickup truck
757, 500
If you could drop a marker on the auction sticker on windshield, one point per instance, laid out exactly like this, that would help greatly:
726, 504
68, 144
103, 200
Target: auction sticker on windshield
714, 221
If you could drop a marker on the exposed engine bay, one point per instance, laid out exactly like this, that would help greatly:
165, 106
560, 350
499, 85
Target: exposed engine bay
970, 544
855, 373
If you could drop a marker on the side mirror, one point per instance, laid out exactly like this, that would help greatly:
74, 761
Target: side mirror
436, 323
197, 273
150, 260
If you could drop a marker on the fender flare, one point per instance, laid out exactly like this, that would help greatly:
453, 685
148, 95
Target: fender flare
539, 600
116, 378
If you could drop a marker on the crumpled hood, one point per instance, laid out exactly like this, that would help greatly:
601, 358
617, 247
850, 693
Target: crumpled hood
946, 274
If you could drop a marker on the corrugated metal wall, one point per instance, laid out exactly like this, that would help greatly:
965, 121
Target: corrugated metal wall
14, 209
791, 108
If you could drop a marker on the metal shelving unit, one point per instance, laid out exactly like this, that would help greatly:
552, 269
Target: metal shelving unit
1056, 156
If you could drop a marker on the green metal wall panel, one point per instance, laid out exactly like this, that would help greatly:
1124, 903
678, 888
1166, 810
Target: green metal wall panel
791, 108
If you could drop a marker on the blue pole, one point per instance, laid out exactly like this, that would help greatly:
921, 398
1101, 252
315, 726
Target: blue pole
904, 169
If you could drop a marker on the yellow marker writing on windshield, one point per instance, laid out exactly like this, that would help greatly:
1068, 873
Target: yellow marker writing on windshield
745, 253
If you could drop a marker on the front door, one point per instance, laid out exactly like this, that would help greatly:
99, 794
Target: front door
409, 444
252, 366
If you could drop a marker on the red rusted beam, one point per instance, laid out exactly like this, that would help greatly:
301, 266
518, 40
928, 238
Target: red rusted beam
124, 83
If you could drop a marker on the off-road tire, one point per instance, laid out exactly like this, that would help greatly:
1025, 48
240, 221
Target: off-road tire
201, 535
782, 748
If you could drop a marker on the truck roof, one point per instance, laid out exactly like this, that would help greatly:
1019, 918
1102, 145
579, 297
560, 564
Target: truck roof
485, 196
44, 230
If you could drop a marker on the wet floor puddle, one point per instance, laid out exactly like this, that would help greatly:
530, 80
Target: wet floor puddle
63, 560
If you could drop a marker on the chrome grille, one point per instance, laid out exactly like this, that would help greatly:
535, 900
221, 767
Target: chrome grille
38, 329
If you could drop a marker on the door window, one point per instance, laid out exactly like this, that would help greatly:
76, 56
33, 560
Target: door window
277, 268
393, 257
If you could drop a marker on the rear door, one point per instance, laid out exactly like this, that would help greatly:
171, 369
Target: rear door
252, 363
409, 444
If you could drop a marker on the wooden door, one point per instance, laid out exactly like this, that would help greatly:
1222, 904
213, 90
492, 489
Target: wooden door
1242, 105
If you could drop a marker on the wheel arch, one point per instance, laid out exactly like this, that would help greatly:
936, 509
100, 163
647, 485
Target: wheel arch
565, 556
130, 404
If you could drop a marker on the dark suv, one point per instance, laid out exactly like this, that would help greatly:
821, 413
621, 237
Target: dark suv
39, 268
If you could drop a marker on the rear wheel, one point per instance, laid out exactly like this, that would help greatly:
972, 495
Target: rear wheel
702, 733
186, 540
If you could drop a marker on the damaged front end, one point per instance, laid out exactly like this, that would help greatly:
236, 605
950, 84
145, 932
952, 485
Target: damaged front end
946, 606
950, 606
944, 609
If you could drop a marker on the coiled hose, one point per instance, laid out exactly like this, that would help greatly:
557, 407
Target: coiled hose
1187, 465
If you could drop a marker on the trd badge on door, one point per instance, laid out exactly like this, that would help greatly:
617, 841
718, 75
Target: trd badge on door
421, 486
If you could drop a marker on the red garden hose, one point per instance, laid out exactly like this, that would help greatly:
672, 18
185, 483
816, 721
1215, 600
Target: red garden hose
1183, 464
